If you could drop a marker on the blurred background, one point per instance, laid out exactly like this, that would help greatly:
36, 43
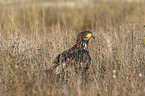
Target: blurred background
34, 32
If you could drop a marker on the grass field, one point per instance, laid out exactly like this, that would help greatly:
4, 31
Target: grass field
32, 34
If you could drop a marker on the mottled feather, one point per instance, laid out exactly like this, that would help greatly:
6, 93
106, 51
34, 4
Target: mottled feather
75, 59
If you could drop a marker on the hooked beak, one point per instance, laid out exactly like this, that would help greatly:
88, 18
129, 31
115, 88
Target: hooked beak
93, 35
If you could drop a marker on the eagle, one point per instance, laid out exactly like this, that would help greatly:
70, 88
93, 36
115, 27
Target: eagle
76, 58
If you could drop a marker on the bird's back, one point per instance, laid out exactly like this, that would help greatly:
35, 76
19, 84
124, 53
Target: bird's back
74, 57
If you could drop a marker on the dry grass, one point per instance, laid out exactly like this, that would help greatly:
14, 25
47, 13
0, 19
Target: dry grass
32, 36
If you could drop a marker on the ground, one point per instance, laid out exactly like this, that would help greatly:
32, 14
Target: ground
33, 33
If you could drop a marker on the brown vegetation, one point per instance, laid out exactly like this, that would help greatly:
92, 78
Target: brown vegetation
31, 37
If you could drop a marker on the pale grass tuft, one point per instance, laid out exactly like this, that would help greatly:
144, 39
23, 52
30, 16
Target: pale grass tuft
114, 71
140, 75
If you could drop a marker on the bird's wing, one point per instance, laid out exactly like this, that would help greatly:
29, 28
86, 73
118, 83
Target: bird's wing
82, 60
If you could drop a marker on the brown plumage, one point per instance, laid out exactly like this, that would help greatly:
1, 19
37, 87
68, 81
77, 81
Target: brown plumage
76, 58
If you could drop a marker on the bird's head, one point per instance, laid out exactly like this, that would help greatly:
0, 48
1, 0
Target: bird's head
85, 36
